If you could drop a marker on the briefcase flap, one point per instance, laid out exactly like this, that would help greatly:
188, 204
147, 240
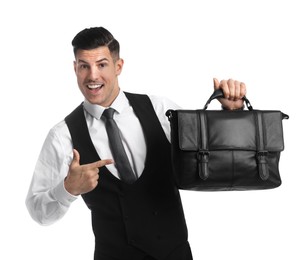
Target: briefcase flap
230, 130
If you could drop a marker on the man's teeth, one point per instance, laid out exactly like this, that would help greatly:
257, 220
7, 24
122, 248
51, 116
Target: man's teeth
94, 86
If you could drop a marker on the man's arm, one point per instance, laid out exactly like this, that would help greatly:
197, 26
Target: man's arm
47, 199
59, 178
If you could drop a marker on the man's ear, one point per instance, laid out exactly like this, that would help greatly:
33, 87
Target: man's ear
119, 66
74, 66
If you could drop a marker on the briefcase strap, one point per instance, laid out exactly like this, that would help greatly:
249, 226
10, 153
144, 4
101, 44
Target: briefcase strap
261, 150
203, 151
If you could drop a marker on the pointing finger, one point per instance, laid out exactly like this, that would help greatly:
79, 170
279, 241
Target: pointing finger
97, 164
102, 163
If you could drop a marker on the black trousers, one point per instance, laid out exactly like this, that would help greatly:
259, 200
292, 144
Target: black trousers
183, 252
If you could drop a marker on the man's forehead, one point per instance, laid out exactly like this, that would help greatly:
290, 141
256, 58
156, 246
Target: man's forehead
94, 55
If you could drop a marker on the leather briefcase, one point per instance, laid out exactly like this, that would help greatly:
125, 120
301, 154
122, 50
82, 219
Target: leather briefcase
226, 150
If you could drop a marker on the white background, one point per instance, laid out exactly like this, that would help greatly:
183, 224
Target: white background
171, 48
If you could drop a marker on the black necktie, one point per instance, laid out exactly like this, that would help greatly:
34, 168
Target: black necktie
118, 151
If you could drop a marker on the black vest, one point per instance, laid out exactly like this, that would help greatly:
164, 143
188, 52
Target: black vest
146, 217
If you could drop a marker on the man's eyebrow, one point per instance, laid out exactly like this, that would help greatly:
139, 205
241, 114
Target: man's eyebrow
104, 59
98, 61
82, 61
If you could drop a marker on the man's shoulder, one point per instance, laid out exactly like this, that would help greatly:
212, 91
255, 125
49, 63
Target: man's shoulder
156, 100
163, 102
59, 129
75, 112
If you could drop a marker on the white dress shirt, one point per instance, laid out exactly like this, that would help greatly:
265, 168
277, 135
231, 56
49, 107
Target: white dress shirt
47, 200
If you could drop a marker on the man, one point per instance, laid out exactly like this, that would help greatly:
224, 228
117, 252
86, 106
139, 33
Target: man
140, 219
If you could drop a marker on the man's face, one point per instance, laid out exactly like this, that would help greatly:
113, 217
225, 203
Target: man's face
97, 75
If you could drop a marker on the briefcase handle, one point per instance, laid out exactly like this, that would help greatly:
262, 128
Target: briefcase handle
218, 93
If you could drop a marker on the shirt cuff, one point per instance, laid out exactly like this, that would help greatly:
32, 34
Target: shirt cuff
62, 195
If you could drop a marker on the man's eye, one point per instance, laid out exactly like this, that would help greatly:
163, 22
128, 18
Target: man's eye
83, 66
102, 65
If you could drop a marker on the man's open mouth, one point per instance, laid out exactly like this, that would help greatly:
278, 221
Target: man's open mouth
95, 86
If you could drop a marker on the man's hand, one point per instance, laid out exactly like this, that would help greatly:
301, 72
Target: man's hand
233, 91
83, 178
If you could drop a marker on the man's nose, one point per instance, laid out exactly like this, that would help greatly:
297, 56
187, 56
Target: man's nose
94, 74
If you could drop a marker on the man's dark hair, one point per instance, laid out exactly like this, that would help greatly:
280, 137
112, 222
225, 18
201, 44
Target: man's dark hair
94, 37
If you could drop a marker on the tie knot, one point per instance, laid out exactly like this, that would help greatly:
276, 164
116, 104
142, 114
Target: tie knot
108, 113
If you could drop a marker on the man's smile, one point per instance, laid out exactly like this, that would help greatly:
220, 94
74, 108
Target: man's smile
94, 86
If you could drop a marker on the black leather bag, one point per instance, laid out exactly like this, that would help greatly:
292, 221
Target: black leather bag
226, 150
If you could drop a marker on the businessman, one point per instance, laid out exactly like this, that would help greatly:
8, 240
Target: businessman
114, 151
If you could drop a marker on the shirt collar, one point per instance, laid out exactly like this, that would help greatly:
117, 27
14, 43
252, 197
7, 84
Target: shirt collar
119, 104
